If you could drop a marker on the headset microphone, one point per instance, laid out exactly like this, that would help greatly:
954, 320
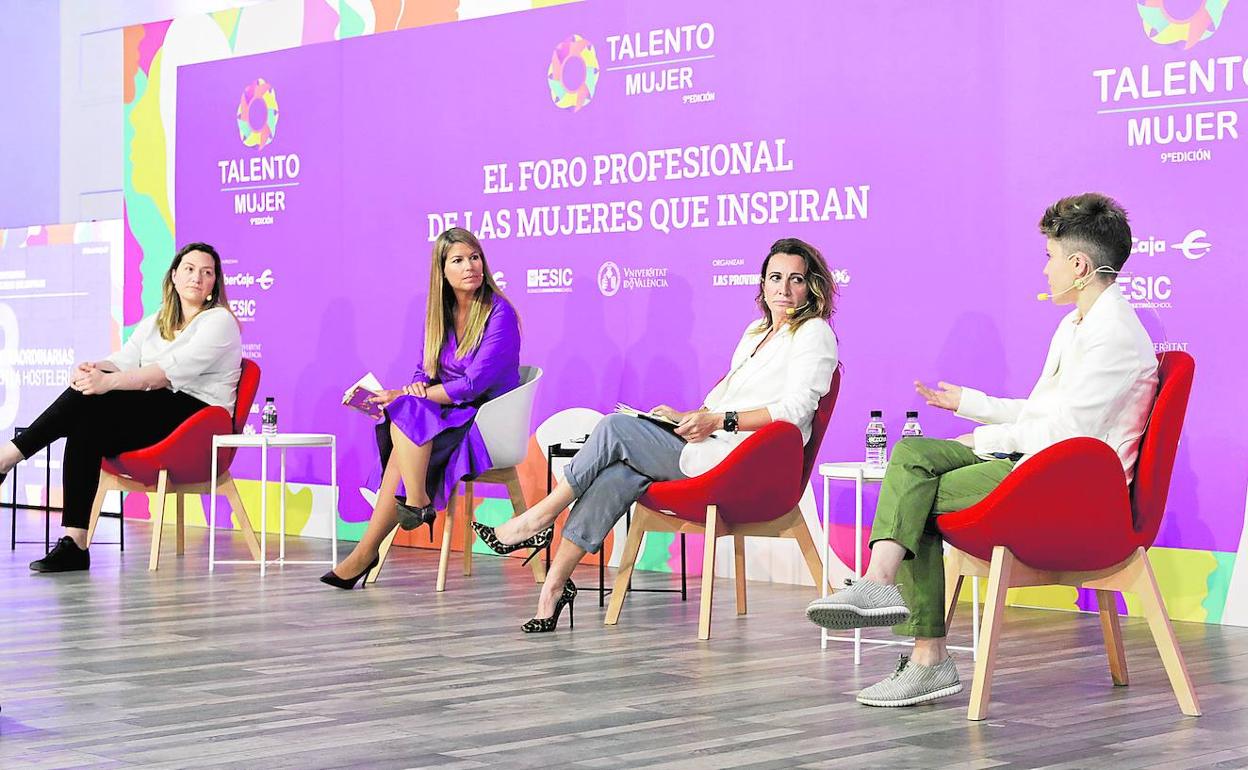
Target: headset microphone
1078, 284
792, 311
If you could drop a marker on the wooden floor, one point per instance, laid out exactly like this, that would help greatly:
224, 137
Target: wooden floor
121, 667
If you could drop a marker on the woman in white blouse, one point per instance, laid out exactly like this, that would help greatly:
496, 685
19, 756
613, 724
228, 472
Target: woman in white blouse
186, 357
781, 368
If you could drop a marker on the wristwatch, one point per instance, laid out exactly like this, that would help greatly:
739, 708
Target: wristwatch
730, 422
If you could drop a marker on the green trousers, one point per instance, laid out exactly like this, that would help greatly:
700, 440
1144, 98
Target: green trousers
925, 478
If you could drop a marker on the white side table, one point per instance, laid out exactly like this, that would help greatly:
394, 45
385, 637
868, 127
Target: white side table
283, 441
861, 473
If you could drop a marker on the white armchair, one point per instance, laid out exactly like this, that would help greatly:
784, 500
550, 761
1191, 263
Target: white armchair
504, 424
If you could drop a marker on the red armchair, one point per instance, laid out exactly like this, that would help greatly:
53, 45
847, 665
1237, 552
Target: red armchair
1067, 517
754, 492
181, 464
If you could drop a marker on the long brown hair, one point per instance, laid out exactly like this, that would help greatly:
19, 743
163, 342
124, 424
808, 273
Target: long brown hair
440, 312
819, 283
170, 320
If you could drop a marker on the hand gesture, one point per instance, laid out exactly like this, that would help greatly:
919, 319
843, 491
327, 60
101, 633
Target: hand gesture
947, 397
665, 411
696, 426
384, 398
92, 382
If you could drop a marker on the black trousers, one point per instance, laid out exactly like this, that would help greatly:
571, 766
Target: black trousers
95, 427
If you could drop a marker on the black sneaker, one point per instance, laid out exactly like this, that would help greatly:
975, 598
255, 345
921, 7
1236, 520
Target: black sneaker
65, 556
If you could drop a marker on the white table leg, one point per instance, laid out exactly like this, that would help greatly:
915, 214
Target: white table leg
264, 502
825, 517
857, 554
281, 507
333, 492
212, 510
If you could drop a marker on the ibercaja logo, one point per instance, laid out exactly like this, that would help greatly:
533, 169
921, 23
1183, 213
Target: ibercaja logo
1163, 28
573, 73
257, 114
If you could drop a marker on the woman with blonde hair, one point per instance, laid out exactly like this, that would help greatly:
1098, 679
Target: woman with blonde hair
186, 357
471, 355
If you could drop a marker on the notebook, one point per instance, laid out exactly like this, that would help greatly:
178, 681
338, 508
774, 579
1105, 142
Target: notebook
358, 394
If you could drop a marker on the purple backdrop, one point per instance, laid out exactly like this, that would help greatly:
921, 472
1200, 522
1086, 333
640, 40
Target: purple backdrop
944, 129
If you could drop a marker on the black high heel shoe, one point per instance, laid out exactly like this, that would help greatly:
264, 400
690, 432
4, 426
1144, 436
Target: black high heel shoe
410, 518
537, 542
329, 578
546, 625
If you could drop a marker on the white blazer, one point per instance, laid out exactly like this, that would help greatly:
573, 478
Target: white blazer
787, 377
1099, 380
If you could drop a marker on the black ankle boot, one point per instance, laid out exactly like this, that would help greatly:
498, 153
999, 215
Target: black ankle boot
65, 556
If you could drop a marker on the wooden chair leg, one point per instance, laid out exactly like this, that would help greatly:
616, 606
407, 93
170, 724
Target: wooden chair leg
444, 556
383, 551
708, 572
738, 547
1145, 586
179, 501
158, 518
97, 505
810, 553
994, 608
953, 586
628, 558
239, 512
470, 505
1107, 603
518, 506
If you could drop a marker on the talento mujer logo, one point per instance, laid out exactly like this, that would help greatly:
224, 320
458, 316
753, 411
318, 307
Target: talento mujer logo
573, 73
257, 114
1163, 28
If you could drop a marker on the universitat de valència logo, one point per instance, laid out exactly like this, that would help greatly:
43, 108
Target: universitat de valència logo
1183, 109
258, 184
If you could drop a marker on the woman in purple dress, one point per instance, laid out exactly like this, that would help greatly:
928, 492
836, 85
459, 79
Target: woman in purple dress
471, 355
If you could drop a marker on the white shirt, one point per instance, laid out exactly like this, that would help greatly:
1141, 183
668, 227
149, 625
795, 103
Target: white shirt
787, 377
203, 360
1099, 380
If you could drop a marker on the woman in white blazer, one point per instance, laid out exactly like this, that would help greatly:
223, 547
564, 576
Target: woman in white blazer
1099, 380
781, 368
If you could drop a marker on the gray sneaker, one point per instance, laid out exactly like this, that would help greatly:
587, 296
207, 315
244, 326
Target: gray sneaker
912, 684
862, 604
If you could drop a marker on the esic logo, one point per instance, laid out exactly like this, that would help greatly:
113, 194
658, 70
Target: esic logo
1164, 29
257, 115
550, 280
1146, 290
500, 279
609, 279
573, 73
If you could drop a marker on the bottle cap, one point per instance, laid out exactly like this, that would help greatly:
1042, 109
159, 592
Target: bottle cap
268, 399
877, 413
912, 415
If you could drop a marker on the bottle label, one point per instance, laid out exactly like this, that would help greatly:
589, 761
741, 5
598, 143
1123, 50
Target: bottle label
877, 441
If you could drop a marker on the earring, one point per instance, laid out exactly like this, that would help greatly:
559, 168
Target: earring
209, 299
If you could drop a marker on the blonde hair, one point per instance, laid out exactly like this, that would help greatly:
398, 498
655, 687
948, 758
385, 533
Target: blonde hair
819, 283
169, 321
440, 312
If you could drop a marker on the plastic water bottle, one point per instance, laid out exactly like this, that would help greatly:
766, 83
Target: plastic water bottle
268, 418
877, 440
912, 427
